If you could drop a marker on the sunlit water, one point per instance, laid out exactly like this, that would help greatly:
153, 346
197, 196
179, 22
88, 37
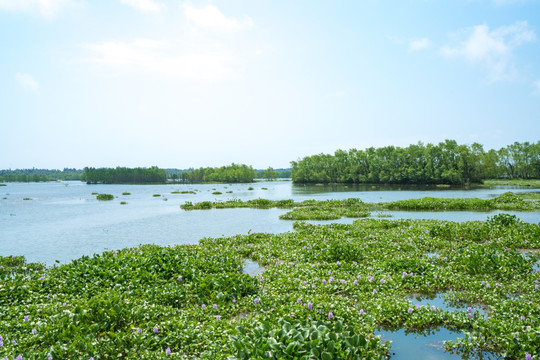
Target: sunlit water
63, 220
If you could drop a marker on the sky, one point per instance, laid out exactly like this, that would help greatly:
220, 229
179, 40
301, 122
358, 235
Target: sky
180, 84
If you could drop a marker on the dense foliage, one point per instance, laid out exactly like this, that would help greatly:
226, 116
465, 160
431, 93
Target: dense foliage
271, 173
123, 175
324, 292
233, 173
445, 163
38, 175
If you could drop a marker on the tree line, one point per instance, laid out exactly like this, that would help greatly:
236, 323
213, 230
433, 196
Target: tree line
233, 173
444, 163
39, 175
124, 175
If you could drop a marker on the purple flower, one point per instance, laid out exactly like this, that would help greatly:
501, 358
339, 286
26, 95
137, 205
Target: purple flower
215, 306
49, 358
25, 318
382, 281
309, 306
233, 300
91, 358
330, 315
18, 357
522, 317
156, 329
374, 291
337, 263
203, 306
256, 301
469, 309
331, 279
324, 282
180, 278
528, 356
299, 301
139, 330
536, 286
410, 310
218, 317
34, 331
362, 312
168, 351
355, 282
418, 307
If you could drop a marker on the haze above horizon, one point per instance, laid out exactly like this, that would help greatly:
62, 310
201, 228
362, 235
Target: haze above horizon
181, 84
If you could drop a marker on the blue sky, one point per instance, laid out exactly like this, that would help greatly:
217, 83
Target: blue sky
206, 83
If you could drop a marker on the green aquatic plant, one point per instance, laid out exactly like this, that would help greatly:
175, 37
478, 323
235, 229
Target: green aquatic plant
217, 193
337, 283
105, 197
126, 193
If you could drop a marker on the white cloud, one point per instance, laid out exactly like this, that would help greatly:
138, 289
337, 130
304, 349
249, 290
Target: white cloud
419, 44
45, 8
145, 5
491, 49
27, 81
211, 17
162, 58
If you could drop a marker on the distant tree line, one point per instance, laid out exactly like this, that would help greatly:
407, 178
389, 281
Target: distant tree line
39, 175
272, 174
124, 175
233, 173
444, 163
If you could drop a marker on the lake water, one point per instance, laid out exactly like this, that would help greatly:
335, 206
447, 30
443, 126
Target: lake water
63, 220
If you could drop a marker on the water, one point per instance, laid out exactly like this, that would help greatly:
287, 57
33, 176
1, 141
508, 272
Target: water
439, 302
424, 346
63, 220
253, 268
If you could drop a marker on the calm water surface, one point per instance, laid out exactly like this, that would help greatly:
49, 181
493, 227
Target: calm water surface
63, 220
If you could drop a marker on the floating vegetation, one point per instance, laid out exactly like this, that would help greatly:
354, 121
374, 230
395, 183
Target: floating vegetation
337, 283
27, 198
126, 193
95, 193
229, 192
251, 188
3, 184
264, 188
123, 203
104, 197
355, 208
183, 192
156, 195
216, 193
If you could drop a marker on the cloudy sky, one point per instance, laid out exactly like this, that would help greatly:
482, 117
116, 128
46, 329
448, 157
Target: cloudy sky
205, 83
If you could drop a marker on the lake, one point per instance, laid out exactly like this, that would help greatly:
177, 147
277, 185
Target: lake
62, 221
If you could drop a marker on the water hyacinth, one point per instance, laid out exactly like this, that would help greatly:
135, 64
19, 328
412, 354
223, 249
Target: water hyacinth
256, 301
155, 329
362, 312
203, 306
218, 317
168, 351
528, 356
309, 306
410, 310
26, 318
330, 315
215, 306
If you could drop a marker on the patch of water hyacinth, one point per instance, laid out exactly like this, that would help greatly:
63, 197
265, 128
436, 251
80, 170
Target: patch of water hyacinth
335, 282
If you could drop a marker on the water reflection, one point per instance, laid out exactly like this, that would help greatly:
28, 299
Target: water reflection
439, 301
430, 346
252, 268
